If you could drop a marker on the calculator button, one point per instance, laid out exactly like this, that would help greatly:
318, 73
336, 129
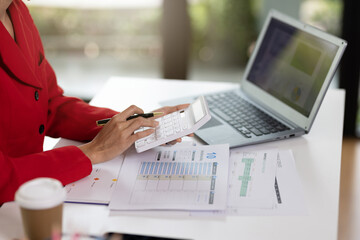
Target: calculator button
140, 143
168, 126
150, 139
184, 125
177, 128
158, 132
170, 132
160, 135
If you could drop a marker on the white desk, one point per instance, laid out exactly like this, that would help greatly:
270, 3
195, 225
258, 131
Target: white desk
317, 157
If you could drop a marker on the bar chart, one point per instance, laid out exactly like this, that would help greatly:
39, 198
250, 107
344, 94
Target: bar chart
177, 177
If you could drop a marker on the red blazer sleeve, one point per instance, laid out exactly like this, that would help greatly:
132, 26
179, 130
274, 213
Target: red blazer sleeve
70, 117
66, 164
31, 98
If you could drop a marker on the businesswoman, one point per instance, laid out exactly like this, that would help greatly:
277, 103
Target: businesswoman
32, 105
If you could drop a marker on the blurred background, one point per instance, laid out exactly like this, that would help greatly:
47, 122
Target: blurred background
87, 41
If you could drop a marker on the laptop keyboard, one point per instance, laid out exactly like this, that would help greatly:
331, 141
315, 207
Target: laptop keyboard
243, 116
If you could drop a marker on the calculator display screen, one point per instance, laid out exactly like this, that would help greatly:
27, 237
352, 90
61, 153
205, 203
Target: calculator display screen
198, 110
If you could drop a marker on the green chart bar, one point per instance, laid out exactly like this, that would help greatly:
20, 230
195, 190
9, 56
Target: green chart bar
246, 176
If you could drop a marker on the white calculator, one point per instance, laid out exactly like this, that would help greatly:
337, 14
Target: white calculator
176, 125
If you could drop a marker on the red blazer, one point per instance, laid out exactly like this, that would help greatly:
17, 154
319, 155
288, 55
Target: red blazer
32, 105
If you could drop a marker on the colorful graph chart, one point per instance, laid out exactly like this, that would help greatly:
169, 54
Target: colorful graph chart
251, 179
178, 177
245, 178
164, 180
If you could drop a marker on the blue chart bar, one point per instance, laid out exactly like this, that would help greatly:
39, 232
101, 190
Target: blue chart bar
152, 167
147, 168
160, 168
182, 168
167, 167
142, 168
173, 166
177, 168
157, 168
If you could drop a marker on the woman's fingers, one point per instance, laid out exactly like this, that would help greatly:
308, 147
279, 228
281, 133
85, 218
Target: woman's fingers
136, 136
128, 112
127, 128
181, 106
170, 109
139, 122
178, 140
118, 134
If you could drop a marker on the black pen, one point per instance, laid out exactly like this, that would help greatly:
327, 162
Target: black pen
144, 115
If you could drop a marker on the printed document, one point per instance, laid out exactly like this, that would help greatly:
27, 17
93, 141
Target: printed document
99, 185
286, 193
176, 178
251, 178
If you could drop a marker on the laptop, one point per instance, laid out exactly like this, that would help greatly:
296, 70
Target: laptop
282, 88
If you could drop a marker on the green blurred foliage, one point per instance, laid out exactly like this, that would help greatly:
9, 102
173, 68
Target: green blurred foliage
328, 15
225, 28
69, 29
62, 21
222, 31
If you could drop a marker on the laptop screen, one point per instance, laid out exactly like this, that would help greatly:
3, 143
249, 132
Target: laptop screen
292, 65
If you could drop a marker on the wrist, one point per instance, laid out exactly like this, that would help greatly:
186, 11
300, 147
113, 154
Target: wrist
88, 150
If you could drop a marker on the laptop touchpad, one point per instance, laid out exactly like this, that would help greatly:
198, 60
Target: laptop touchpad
212, 123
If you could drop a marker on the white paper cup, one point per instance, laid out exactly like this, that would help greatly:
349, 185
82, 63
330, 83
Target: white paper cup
41, 203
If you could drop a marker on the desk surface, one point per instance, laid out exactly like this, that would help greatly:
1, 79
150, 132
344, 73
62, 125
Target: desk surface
317, 156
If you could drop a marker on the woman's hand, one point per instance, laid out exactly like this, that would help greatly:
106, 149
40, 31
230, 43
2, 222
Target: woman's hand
167, 110
118, 135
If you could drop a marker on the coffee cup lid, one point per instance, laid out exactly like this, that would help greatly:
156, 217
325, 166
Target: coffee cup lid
40, 193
